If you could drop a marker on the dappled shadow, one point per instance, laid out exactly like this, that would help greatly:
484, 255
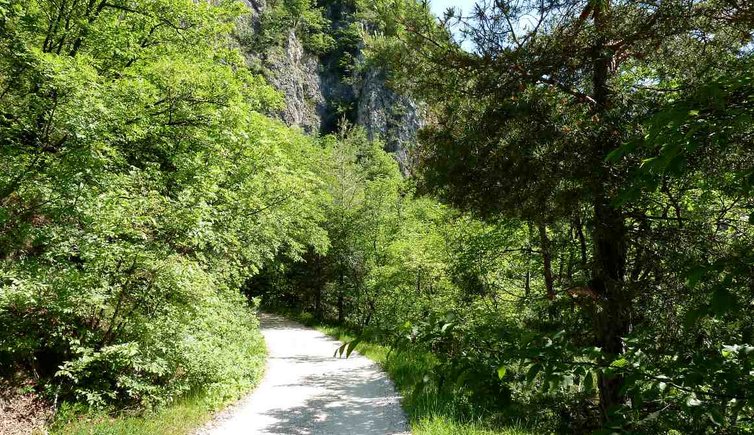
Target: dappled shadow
307, 390
354, 402
274, 321
303, 359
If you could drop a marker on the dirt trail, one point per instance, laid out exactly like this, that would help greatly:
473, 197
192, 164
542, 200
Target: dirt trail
306, 390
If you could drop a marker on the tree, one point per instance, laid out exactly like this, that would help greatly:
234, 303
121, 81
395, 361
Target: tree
363, 182
139, 187
525, 122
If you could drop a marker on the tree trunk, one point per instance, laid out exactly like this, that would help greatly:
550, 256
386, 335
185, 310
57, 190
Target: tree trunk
369, 314
544, 242
318, 302
527, 278
341, 298
316, 278
611, 318
582, 241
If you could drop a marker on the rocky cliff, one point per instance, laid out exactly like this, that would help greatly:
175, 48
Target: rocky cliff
297, 74
320, 93
386, 115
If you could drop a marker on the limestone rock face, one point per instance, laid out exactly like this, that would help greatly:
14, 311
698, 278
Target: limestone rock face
295, 73
388, 116
316, 91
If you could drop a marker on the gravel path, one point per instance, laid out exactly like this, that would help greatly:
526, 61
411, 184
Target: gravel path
307, 391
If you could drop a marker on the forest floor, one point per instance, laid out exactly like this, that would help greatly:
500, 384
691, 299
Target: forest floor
306, 390
21, 410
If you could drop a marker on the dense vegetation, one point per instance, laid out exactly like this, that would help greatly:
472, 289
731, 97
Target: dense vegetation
140, 186
574, 254
595, 271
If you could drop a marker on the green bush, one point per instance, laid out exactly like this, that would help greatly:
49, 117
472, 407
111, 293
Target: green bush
139, 187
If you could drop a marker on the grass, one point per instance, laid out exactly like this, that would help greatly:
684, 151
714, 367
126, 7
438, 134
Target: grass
180, 418
439, 425
429, 412
183, 416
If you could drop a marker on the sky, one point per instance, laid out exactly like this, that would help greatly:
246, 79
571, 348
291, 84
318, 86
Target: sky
439, 6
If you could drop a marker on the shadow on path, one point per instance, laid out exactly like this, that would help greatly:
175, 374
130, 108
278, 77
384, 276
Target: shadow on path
307, 391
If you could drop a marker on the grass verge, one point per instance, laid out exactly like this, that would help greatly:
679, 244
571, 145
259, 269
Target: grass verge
181, 417
429, 412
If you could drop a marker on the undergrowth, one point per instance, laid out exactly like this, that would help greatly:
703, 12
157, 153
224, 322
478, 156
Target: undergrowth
430, 411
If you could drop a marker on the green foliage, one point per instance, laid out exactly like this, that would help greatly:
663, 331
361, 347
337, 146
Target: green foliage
616, 138
404, 270
594, 275
139, 188
430, 413
302, 17
606, 146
